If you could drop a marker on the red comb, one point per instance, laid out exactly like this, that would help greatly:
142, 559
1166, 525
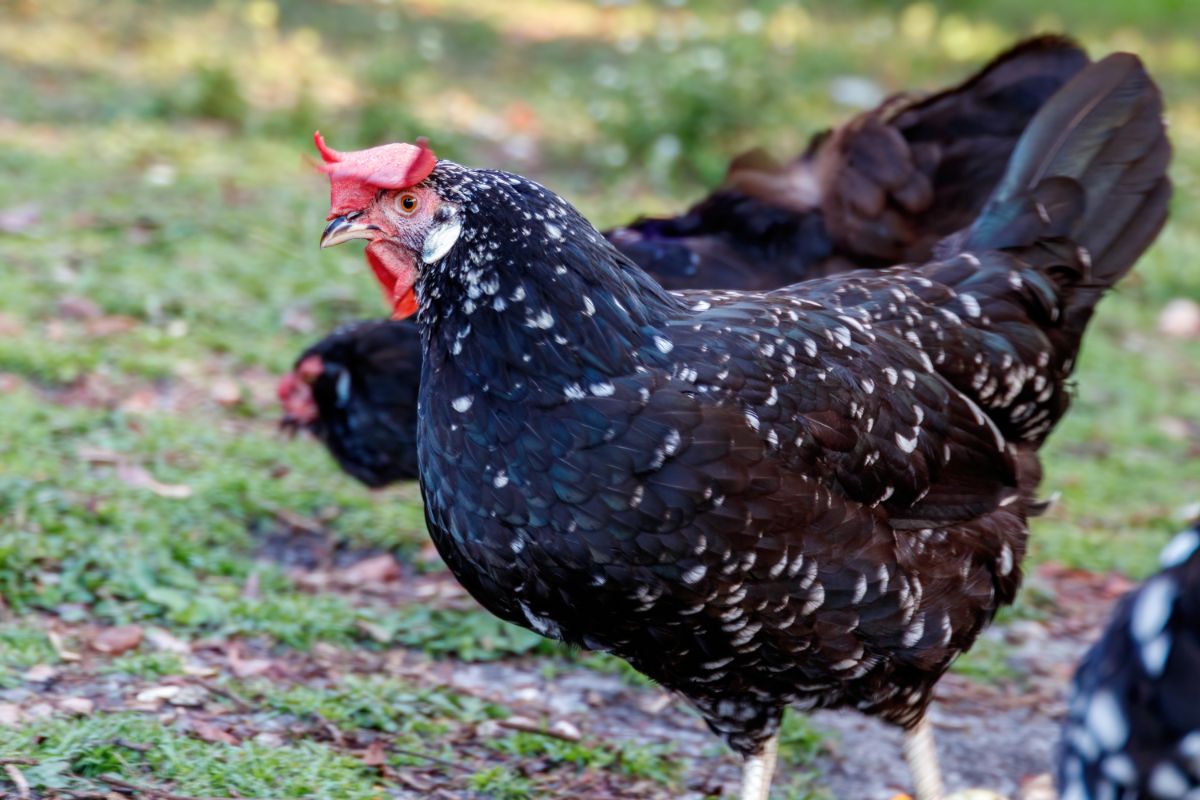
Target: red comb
355, 176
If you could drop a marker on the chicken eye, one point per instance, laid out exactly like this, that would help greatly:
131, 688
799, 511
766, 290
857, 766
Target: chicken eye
407, 203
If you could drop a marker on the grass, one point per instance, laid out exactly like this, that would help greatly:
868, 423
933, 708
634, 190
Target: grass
159, 223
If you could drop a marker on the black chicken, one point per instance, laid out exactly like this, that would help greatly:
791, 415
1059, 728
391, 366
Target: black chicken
815, 496
1133, 730
879, 190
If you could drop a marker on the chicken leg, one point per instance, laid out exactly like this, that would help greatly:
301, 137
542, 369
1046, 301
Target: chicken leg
921, 754
758, 771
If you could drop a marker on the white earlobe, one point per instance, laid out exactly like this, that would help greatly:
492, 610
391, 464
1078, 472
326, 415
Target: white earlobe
440, 239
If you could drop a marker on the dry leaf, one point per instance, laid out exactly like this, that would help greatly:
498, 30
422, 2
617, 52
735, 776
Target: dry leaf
136, 475
116, 641
374, 755
213, 733
10, 715
566, 731
40, 673
247, 667
162, 640
226, 391
157, 694
56, 641
80, 706
377, 569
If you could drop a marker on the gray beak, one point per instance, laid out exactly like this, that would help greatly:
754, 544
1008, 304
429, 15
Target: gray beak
343, 229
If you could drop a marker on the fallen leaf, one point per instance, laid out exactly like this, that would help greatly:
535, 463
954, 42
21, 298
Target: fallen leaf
213, 733
160, 639
226, 391
247, 667
137, 476
10, 715
118, 640
80, 706
377, 569
56, 641
374, 755
190, 695
566, 731
40, 673
157, 694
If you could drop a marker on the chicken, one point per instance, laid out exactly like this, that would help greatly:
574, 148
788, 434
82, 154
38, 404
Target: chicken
881, 189
815, 496
1133, 730
356, 391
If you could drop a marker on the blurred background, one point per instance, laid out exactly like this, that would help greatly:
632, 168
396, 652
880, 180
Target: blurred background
159, 216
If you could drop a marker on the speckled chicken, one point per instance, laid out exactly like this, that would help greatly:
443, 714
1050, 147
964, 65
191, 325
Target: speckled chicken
879, 190
1133, 730
814, 496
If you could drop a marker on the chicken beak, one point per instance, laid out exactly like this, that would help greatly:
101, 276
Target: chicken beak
343, 229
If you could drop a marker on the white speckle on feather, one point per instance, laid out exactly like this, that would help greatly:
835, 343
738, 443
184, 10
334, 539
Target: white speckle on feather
501, 479
1006, 560
574, 392
907, 445
1152, 608
1168, 782
752, 419
589, 308
1179, 549
462, 404
543, 625
891, 375
694, 575
915, 631
604, 389
554, 231
816, 599
842, 334
664, 345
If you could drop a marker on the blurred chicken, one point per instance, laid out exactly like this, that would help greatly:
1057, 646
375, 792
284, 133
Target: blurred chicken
1133, 729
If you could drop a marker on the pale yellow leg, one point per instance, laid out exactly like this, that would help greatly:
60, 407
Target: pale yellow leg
758, 771
921, 755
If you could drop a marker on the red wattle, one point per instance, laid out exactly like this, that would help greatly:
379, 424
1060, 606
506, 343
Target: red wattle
397, 276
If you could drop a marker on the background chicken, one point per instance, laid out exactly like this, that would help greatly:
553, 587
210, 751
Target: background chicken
1133, 728
879, 190
815, 496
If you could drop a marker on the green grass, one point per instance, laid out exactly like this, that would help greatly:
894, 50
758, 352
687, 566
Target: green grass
163, 149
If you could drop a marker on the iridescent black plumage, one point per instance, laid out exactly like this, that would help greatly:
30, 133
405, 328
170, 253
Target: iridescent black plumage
881, 189
812, 496
1133, 730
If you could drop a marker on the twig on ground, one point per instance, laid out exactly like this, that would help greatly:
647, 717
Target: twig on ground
444, 762
24, 762
18, 780
529, 726
241, 703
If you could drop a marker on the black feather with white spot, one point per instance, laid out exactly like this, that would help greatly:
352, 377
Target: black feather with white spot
1133, 729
